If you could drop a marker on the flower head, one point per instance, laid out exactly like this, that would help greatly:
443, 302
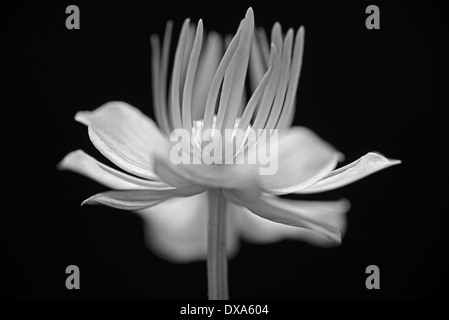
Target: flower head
207, 93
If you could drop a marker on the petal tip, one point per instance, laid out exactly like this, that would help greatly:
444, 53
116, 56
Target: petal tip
338, 242
81, 117
61, 165
154, 38
249, 12
383, 159
64, 164
333, 241
90, 200
340, 156
345, 205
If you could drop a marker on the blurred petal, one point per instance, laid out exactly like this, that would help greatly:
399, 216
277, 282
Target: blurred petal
139, 199
125, 136
80, 162
176, 229
325, 221
366, 165
303, 158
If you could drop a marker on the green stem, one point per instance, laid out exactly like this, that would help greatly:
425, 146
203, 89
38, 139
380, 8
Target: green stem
217, 264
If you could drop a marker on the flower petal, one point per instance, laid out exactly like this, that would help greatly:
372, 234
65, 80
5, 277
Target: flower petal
176, 229
325, 220
80, 162
139, 199
303, 158
366, 165
125, 136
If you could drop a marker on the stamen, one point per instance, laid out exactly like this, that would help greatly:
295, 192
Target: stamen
155, 81
207, 65
288, 111
284, 77
159, 77
227, 39
251, 106
176, 75
256, 65
190, 77
234, 80
212, 97
269, 94
186, 56
245, 118
264, 50
255, 98
243, 102
263, 44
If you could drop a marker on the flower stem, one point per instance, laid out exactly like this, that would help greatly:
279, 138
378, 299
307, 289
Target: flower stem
217, 264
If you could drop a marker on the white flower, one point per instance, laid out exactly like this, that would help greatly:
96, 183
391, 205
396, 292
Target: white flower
173, 198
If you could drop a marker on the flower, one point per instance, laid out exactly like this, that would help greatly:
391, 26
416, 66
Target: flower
172, 198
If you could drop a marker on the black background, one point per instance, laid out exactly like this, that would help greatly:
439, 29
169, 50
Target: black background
361, 90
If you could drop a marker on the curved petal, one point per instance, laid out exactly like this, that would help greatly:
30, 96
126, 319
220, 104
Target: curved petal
82, 163
302, 159
325, 221
255, 229
139, 199
176, 229
366, 165
125, 136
